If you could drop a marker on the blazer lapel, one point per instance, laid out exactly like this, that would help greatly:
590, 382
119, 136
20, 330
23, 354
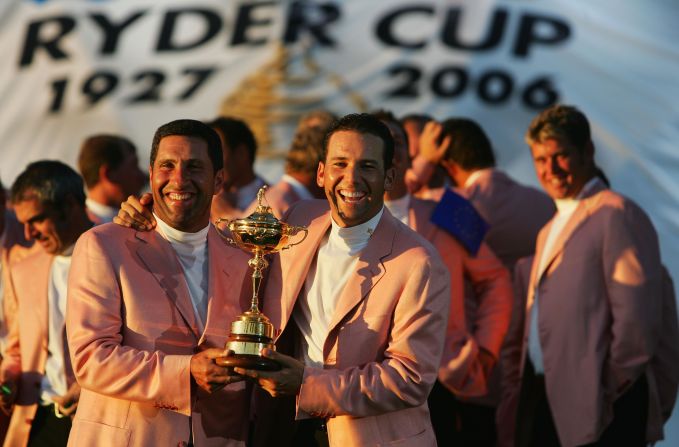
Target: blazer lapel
579, 215
223, 285
295, 265
161, 261
369, 269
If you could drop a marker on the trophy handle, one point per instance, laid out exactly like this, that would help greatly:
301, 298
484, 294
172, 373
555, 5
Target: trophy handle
226, 239
293, 232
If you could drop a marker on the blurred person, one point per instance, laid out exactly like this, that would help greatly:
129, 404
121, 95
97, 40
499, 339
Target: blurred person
316, 118
514, 212
49, 201
480, 307
240, 184
148, 312
363, 301
585, 372
110, 169
433, 189
299, 180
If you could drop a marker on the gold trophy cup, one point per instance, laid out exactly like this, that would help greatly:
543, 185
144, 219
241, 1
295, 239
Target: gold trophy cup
260, 234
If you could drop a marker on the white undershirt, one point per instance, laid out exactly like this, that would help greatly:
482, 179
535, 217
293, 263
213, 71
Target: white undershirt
298, 187
54, 381
191, 250
247, 194
475, 175
332, 266
103, 212
400, 208
565, 209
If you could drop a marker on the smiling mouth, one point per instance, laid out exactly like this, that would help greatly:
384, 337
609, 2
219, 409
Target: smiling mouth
352, 196
179, 197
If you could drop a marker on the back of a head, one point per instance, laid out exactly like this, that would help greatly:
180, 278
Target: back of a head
366, 124
190, 128
316, 118
236, 133
418, 119
51, 182
469, 146
563, 123
100, 150
306, 151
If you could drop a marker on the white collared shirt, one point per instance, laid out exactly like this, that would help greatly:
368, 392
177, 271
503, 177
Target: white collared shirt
330, 270
247, 194
565, 209
400, 208
298, 187
54, 381
191, 250
105, 213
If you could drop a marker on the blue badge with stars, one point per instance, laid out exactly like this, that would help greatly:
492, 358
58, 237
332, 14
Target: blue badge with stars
457, 216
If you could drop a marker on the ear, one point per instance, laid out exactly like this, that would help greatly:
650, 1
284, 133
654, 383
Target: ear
320, 175
389, 178
450, 167
218, 181
104, 173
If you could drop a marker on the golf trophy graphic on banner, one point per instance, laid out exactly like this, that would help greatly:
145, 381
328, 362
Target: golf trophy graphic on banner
260, 234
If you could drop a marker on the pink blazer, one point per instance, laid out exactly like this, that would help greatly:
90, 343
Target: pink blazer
480, 301
384, 344
132, 331
26, 351
515, 213
600, 310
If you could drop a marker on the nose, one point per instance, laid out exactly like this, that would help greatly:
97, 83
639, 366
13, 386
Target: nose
552, 165
29, 231
179, 174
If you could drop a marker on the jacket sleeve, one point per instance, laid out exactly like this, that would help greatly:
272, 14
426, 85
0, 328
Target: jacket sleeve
411, 357
633, 276
101, 361
492, 292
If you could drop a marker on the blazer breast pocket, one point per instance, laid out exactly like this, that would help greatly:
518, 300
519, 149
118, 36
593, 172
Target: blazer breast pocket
88, 433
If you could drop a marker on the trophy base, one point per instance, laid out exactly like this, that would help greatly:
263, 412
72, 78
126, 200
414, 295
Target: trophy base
248, 361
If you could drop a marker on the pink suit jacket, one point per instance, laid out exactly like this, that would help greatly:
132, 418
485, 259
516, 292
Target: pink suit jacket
26, 351
515, 213
600, 310
384, 344
132, 331
480, 304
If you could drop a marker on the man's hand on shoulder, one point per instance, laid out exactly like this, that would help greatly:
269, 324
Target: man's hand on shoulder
136, 213
287, 381
207, 374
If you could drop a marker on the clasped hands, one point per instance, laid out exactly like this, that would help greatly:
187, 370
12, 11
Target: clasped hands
212, 377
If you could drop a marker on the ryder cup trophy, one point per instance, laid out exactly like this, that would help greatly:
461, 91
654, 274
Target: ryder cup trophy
260, 234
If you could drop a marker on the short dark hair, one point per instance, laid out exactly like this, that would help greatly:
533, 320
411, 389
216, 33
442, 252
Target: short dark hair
469, 146
564, 123
191, 128
99, 150
306, 150
51, 182
235, 133
388, 116
363, 123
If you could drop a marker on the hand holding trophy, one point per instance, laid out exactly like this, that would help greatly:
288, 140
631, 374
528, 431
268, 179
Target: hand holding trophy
260, 234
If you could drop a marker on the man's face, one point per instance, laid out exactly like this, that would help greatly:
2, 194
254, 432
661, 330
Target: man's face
183, 182
353, 177
128, 177
561, 169
44, 225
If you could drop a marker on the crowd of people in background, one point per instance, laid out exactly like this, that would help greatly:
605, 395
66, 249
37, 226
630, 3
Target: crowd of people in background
435, 301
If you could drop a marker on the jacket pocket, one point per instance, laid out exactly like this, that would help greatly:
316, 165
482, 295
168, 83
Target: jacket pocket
88, 433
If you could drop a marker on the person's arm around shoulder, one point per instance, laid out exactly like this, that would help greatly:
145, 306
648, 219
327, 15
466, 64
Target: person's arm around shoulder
136, 213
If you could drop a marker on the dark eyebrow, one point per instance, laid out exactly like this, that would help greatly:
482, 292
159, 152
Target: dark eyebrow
37, 218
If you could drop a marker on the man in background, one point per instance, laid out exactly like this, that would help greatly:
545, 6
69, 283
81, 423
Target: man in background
110, 168
49, 201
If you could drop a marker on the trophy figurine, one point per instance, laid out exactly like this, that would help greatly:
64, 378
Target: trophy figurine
260, 234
